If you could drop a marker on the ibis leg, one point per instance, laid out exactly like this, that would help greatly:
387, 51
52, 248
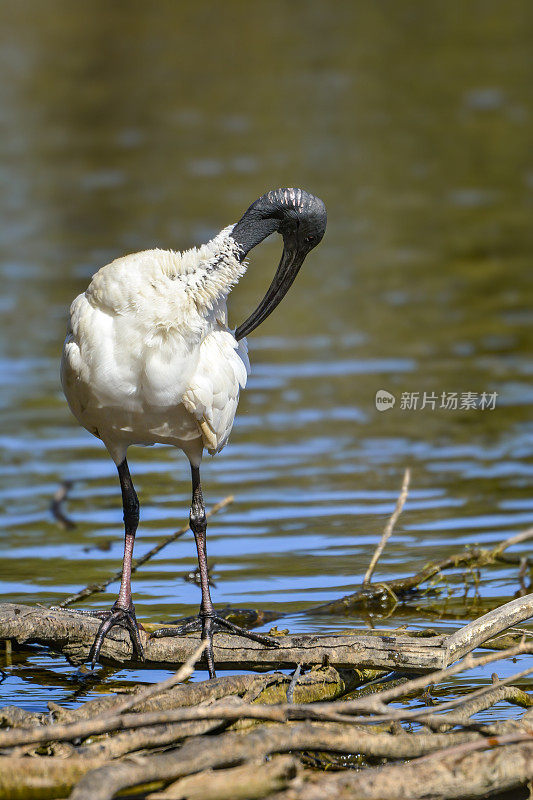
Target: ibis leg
208, 618
123, 611
198, 523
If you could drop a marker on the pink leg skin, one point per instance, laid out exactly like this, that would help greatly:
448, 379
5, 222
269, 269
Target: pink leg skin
208, 619
124, 595
123, 612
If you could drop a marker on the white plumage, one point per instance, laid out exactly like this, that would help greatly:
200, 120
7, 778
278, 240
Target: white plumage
149, 357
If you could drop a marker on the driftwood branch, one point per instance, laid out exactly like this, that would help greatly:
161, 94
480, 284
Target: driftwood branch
382, 593
72, 634
231, 749
491, 624
343, 712
228, 738
169, 715
497, 769
250, 781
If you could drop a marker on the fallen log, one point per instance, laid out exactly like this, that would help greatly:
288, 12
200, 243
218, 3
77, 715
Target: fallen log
72, 635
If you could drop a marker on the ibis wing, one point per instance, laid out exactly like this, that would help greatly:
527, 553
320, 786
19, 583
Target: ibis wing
213, 393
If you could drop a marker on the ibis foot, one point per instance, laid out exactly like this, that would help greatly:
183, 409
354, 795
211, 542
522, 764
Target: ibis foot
117, 617
210, 623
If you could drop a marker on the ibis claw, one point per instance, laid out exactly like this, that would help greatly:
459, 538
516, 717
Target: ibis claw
117, 617
209, 623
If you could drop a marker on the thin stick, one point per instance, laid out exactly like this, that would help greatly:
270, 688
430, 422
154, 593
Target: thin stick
425, 716
482, 744
138, 562
516, 539
385, 536
184, 672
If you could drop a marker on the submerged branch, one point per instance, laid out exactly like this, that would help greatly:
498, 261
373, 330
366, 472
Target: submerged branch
399, 588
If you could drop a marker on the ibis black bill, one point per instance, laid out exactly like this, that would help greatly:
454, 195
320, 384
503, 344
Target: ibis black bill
289, 266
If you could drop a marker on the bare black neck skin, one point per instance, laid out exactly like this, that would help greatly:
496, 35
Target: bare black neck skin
251, 229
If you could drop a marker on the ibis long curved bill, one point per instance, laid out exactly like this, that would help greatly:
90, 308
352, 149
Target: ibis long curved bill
300, 218
288, 269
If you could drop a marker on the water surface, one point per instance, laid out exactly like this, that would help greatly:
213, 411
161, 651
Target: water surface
128, 128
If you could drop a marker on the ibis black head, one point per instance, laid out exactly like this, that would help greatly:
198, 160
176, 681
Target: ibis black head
300, 218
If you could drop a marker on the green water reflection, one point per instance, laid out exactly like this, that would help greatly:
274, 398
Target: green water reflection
131, 126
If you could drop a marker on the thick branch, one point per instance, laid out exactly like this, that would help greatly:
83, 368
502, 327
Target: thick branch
479, 630
44, 777
248, 782
232, 749
72, 634
439, 776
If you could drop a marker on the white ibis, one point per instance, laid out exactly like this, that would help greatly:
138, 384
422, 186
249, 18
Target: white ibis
149, 358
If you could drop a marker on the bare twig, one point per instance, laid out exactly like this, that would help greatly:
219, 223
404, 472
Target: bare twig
389, 526
432, 717
477, 701
376, 702
524, 536
397, 588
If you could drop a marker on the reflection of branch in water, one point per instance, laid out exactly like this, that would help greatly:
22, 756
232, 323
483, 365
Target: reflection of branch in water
56, 506
194, 576
522, 572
